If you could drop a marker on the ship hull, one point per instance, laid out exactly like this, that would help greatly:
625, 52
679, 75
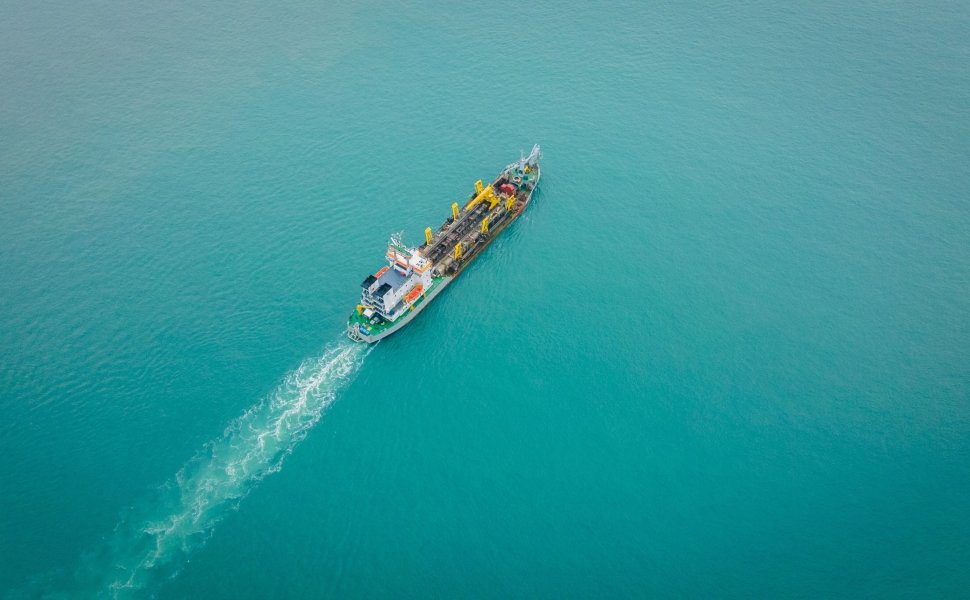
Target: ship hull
358, 333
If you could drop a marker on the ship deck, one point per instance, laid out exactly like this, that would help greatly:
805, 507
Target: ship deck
466, 228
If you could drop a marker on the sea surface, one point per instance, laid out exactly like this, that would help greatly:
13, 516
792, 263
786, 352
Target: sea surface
725, 353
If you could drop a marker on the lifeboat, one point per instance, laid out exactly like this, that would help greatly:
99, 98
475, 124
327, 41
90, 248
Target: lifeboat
414, 293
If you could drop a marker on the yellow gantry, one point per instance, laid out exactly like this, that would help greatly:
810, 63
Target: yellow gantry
485, 225
458, 251
478, 186
486, 194
454, 211
427, 236
493, 198
510, 202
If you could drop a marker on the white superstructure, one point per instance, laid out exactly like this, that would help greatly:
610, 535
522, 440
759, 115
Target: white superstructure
392, 290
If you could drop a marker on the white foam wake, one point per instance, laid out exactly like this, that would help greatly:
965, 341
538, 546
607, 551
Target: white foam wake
153, 544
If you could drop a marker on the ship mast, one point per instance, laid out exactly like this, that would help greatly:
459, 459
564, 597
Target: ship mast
530, 160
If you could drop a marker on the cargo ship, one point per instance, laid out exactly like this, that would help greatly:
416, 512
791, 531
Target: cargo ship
413, 276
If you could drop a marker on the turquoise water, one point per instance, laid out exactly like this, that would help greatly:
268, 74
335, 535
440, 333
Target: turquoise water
726, 353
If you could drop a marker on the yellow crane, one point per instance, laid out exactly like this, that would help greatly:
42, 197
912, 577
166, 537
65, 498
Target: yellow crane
485, 194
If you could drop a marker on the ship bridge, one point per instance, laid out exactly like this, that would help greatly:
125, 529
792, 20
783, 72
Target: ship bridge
391, 290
